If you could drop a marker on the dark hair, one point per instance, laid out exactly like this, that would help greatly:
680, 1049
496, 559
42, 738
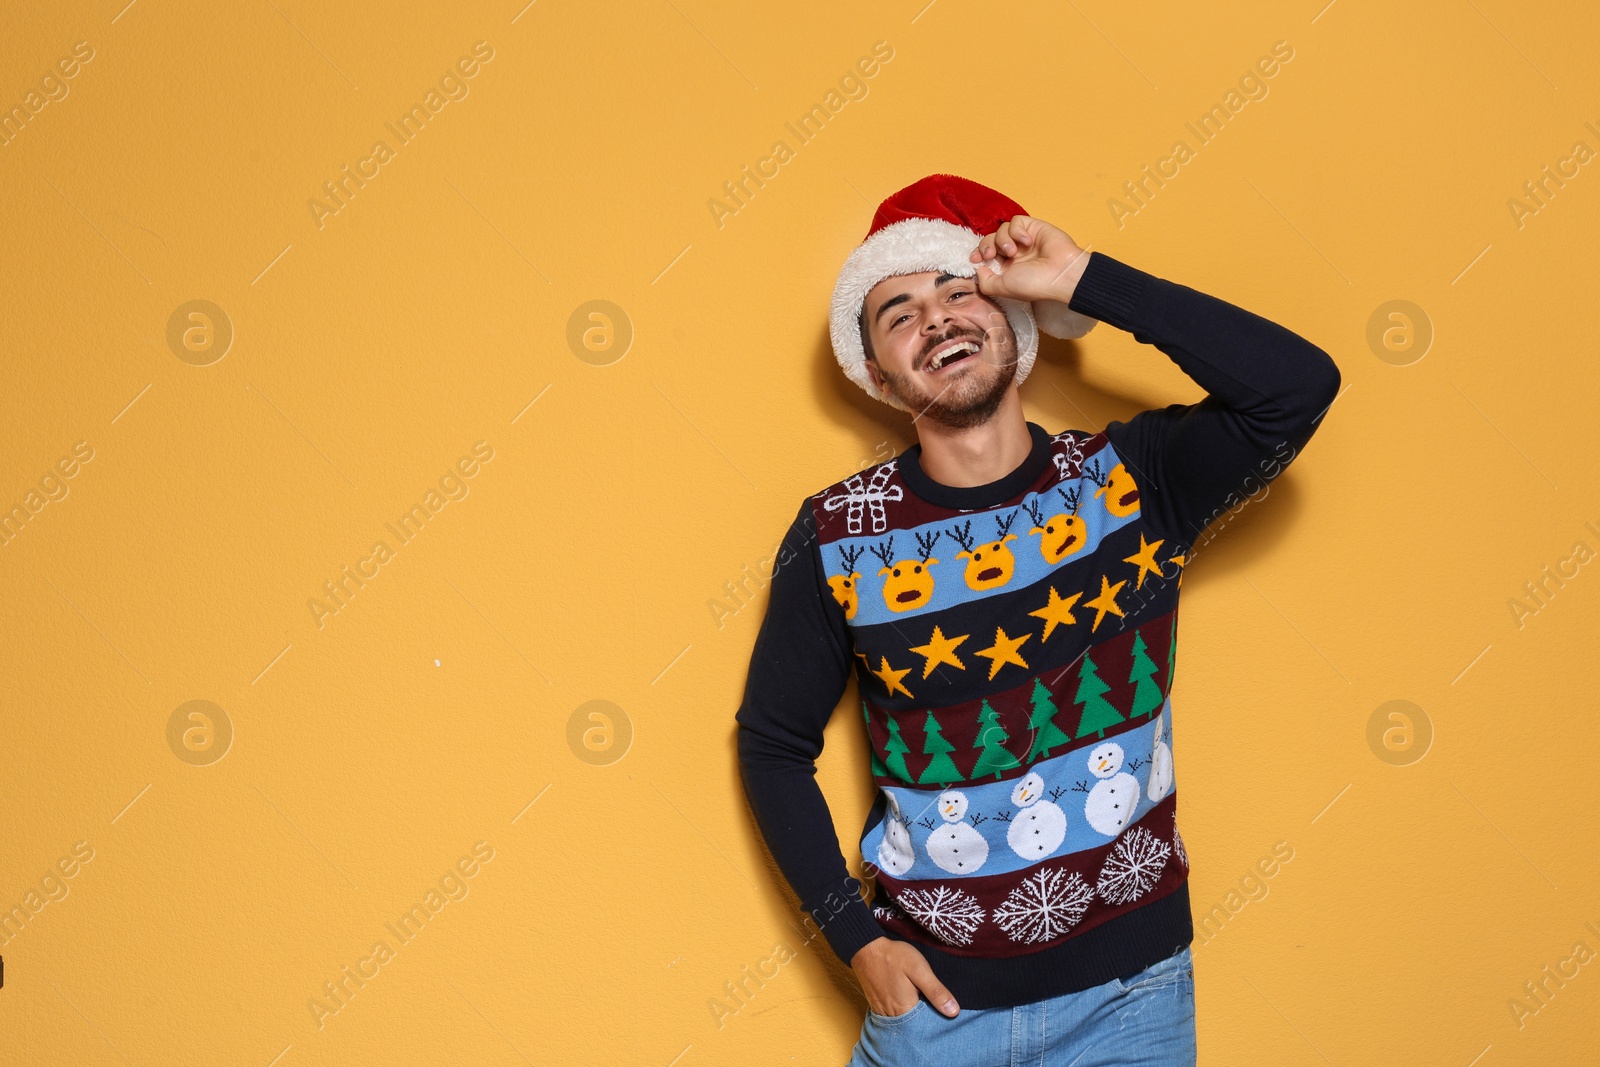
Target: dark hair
866, 339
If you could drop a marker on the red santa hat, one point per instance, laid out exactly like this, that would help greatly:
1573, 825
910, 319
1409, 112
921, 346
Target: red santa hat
934, 224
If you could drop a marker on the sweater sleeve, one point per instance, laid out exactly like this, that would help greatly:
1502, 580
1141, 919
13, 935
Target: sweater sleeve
1268, 389
798, 671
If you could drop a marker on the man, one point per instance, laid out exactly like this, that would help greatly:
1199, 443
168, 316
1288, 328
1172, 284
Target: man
1007, 599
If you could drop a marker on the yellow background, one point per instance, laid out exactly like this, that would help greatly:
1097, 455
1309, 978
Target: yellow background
370, 353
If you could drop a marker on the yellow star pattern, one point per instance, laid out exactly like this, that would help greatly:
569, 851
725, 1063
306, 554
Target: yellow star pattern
940, 649
891, 677
1004, 650
1182, 561
1145, 559
1106, 601
1056, 613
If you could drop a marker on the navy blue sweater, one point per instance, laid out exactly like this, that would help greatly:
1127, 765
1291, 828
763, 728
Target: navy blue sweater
1024, 835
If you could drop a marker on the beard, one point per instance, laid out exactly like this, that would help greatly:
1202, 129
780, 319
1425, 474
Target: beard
973, 395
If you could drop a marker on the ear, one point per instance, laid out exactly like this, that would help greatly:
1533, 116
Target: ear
873, 372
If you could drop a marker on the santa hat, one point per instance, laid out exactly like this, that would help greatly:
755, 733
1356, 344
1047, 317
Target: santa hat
934, 224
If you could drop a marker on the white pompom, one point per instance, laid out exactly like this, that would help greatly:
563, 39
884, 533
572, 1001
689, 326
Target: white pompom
1058, 320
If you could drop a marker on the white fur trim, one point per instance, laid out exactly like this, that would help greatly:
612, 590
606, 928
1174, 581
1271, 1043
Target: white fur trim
911, 246
1058, 320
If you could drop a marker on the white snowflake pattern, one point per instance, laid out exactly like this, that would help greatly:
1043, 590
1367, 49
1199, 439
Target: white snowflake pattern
1177, 846
1133, 866
949, 914
1046, 904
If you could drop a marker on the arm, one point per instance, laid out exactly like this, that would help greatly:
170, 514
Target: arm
798, 672
1268, 388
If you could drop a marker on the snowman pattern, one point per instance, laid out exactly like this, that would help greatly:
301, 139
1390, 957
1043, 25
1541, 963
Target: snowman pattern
1115, 796
1039, 826
895, 852
1160, 763
956, 846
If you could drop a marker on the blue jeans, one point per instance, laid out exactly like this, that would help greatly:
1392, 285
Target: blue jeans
1144, 1020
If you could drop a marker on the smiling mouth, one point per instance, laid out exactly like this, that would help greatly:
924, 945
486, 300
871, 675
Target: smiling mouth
950, 354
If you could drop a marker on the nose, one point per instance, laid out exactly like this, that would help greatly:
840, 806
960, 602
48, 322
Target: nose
938, 319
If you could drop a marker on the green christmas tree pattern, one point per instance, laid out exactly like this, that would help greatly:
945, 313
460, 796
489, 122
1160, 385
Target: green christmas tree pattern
1098, 714
1046, 734
897, 748
877, 764
992, 738
1146, 695
941, 770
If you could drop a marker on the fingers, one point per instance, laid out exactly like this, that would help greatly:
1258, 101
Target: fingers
886, 1007
990, 263
988, 278
1015, 234
996, 243
1022, 230
922, 975
989, 257
1009, 238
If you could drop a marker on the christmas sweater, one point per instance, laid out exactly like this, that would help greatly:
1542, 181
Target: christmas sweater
1014, 647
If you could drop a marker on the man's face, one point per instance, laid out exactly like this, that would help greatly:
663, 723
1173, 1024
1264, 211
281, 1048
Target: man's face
941, 347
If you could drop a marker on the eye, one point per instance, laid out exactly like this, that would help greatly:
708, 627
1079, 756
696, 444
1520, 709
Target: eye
960, 293
898, 321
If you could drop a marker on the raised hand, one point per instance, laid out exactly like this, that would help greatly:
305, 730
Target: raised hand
1029, 259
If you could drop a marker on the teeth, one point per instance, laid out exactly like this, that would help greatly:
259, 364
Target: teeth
964, 348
